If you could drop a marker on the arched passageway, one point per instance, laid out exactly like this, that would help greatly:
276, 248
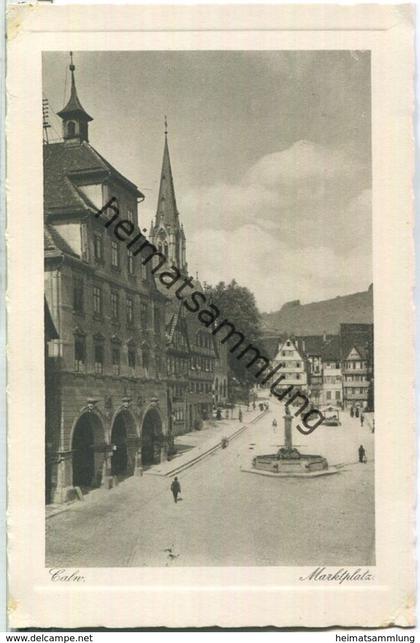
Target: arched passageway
87, 463
151, 438
122, 434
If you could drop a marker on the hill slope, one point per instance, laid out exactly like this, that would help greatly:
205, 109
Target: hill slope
321, 316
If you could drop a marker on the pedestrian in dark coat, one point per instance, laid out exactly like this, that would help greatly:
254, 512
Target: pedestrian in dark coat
362, 419
357, 411
362, 454
351, 412
175, 488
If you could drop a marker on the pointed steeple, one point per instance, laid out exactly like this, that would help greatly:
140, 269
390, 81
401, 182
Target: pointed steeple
167, 232
167, 211
75, 118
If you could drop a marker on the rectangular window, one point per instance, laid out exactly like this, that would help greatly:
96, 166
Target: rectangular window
143, 315
115, 255
99, 358
328, 395
97, 300
78, 295
132, 358
98, 246
338, 395
157, 321
146, 358
116, 361
143, 269
130, 262
115, 305
130, 311
79, 353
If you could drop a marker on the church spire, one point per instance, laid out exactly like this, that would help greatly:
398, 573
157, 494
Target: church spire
75, 118
167, 211
167, 232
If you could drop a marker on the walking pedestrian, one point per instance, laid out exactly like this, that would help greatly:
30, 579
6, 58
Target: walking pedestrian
274, 425
175, 488
357, 411
362, 454
362, 419
351, 412
240, 415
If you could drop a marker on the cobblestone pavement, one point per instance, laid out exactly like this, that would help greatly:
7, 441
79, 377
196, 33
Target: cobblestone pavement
227, 516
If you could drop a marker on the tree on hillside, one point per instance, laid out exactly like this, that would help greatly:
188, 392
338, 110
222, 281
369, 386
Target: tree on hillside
237, 305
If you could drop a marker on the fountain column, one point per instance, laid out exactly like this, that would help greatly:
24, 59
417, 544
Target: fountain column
288, 430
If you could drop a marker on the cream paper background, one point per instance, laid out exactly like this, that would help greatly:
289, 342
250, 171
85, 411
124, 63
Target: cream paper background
214, 596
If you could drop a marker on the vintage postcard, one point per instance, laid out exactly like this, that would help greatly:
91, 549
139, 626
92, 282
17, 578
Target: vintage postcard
210, 316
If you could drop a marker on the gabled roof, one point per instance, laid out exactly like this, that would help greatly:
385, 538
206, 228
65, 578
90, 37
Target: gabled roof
62, 162
296, 343
360, 349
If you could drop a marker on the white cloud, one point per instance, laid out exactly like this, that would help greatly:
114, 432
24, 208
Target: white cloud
296, 226
271, 269
301, 162
304, 182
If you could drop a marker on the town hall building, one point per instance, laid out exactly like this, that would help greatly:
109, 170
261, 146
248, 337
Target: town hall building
107, 402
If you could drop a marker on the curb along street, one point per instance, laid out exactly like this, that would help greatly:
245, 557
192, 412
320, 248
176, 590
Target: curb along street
165, 469
177, 468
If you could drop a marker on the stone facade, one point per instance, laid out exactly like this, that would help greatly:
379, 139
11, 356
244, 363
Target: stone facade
106, 402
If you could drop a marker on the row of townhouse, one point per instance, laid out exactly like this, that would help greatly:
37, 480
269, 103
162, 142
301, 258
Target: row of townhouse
126, 368
330, 369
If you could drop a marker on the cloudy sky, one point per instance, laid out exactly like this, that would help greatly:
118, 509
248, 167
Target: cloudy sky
270, 153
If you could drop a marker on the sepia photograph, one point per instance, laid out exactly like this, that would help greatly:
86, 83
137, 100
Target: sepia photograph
209, 343
210, 321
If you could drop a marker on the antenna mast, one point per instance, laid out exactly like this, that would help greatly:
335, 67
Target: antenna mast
45, 116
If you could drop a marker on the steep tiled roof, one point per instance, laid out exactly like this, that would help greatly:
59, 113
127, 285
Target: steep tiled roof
64, 160
359, 336
331, 350
311, 344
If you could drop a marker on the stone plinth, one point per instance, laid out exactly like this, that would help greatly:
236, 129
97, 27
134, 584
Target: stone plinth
288, 460
295, 463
